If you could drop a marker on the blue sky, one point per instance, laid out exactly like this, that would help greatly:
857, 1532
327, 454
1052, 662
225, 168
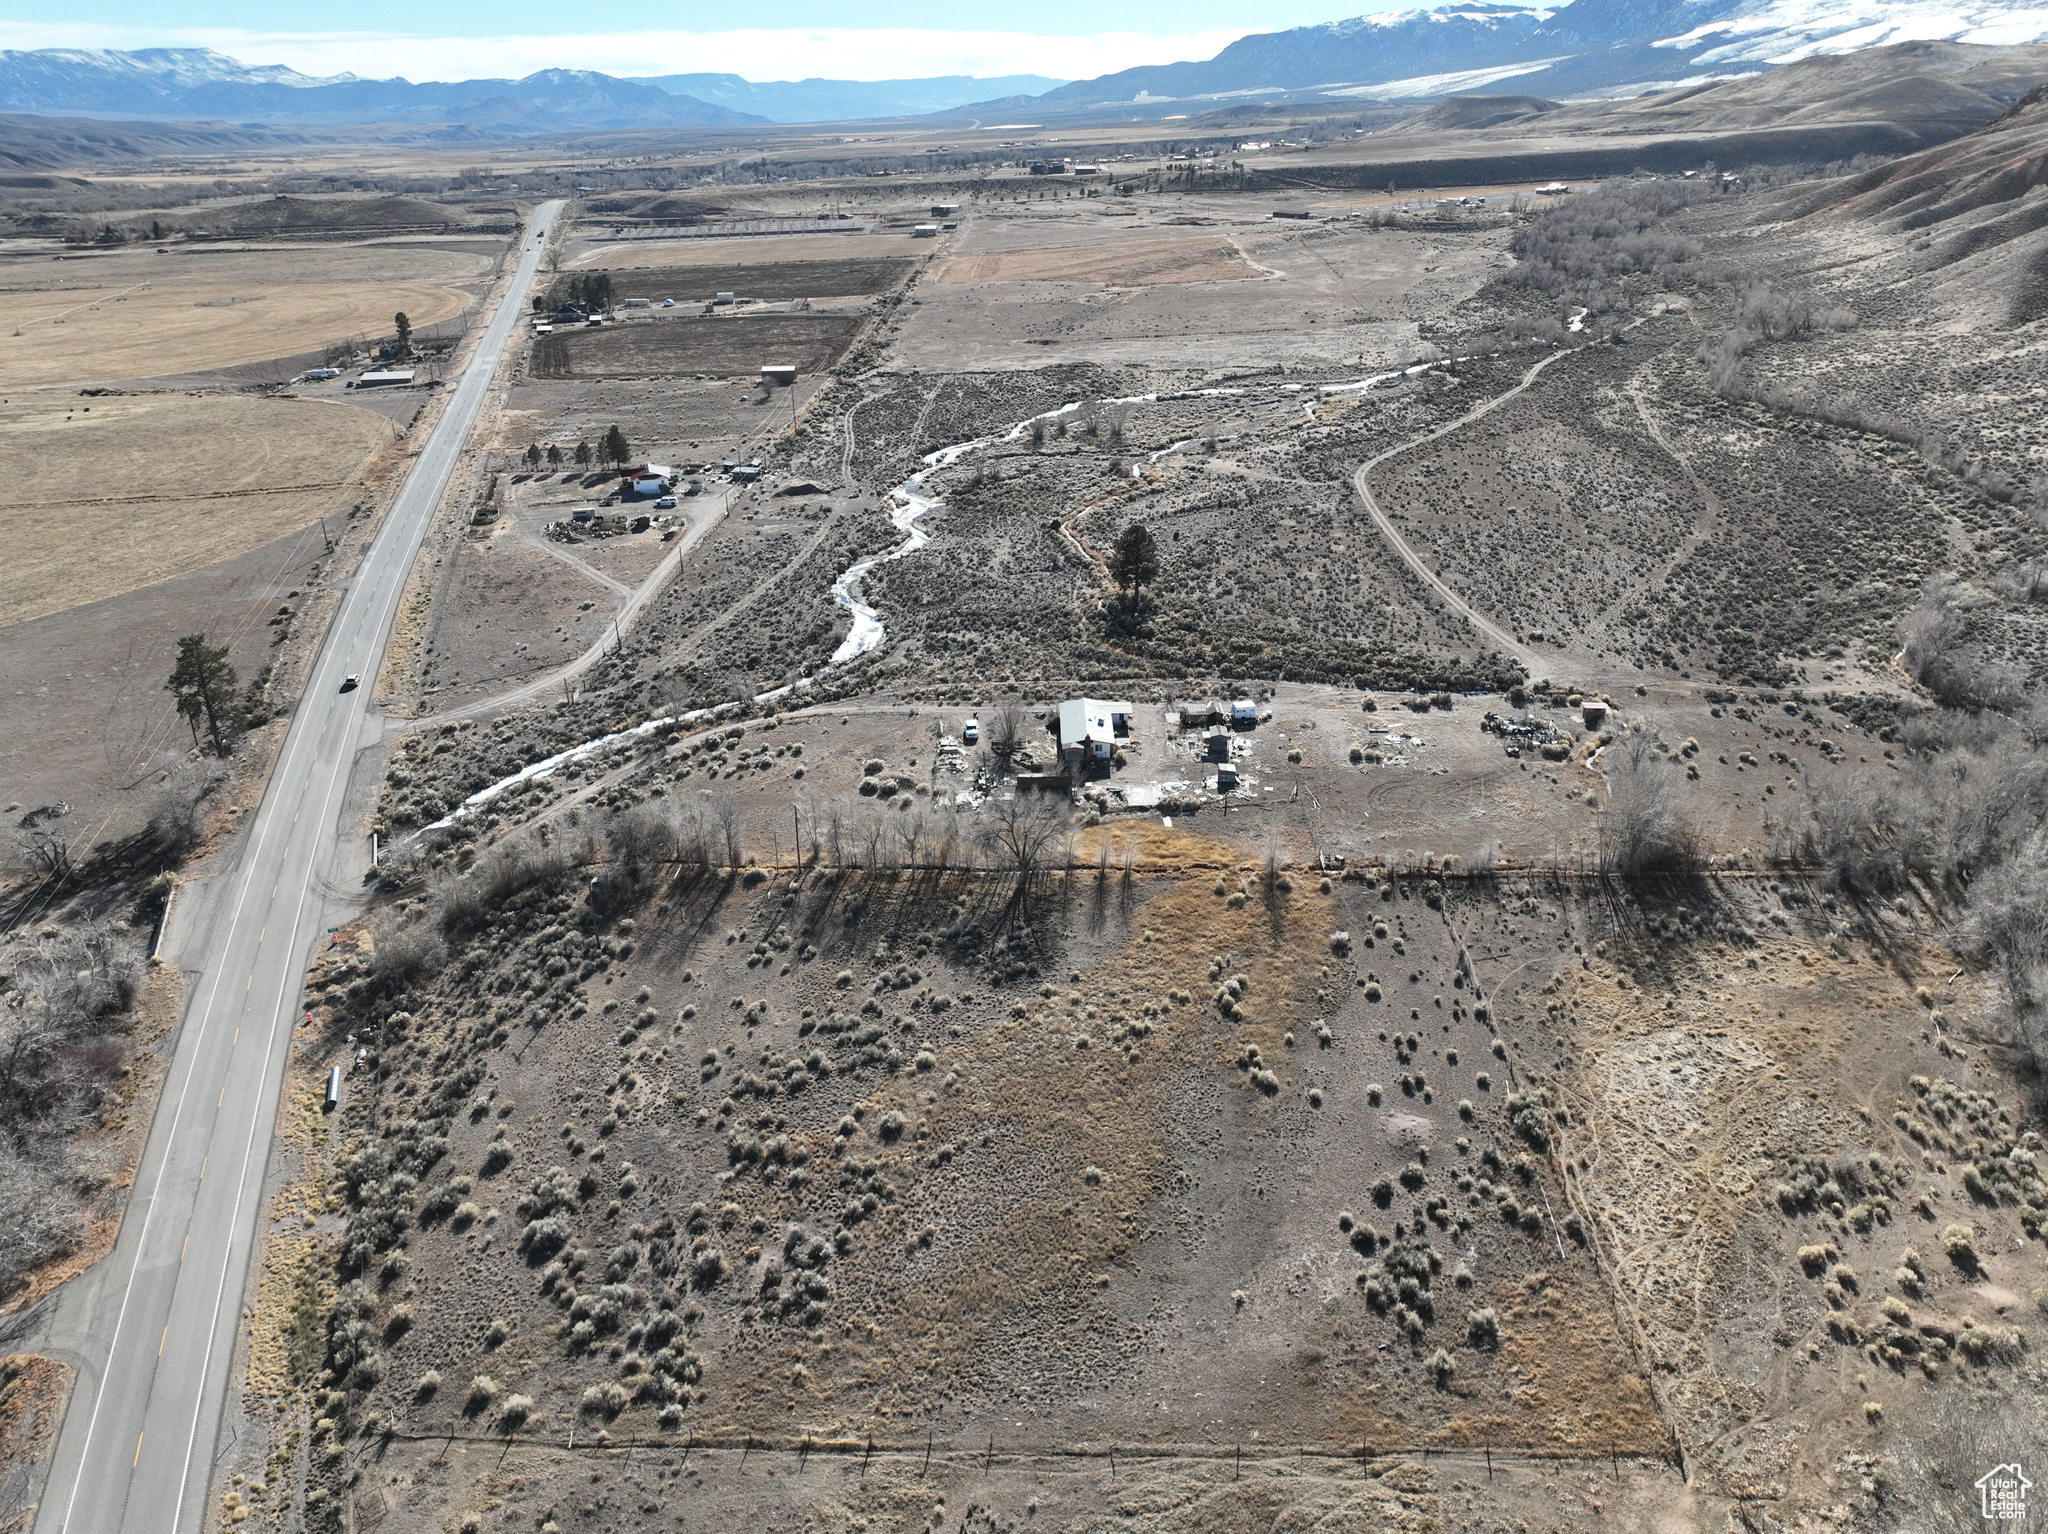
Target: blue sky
879, 39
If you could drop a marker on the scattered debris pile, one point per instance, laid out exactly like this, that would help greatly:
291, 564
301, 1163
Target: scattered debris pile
1526, 731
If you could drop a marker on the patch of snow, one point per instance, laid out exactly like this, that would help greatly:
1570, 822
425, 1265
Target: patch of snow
1451, 84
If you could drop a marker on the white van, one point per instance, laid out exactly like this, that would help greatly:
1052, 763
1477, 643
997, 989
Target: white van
970, 732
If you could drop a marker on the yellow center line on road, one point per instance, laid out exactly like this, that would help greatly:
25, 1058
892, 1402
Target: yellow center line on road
261, 935
222, 1098
238, 1033
202, 1167
181, 1248
138, 1452
166, 1337
249, 984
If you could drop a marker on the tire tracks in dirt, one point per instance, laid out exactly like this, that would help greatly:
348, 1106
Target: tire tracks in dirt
1533, 662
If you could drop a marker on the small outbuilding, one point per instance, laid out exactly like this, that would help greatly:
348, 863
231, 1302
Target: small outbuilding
385, 378
778, 374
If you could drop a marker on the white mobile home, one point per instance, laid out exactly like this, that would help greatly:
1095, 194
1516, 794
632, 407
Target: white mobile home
1093, 726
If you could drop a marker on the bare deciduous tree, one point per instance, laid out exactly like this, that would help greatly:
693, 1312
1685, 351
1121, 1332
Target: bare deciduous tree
47, 854
643, 835
1026, 835
407, 950
724, 824
1005, 728
177, 805
1646, 828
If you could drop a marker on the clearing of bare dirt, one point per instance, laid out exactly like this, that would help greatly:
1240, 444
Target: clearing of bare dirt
121, 491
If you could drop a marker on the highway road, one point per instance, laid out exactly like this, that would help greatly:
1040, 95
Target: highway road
151, 1328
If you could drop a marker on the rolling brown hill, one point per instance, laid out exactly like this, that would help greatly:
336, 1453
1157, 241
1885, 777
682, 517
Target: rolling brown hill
1968, 200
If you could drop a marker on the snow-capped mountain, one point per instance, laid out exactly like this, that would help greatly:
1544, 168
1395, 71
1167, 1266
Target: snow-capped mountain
1588, 47
62, 70
1760, 33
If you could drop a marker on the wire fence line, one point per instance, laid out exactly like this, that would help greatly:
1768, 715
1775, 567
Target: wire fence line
997, 1451
758, 226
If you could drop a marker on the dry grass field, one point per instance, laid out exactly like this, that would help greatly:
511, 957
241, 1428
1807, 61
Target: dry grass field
750, 250
1114, 264
113, 493
1028, 287
106, 334
767, 281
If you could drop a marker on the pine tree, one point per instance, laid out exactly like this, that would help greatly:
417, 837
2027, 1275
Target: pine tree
204, 684
1135, 562
616, 448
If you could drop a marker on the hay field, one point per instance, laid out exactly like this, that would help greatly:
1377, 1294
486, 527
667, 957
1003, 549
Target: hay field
69, 532
87, 335
770, 281
1131, 264
666, 348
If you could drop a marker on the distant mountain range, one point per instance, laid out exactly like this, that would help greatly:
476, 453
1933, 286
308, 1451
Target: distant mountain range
188, 83
831, 101
1585, 48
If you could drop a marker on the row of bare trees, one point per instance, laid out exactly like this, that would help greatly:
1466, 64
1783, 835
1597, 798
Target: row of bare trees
1024, 836
670, 838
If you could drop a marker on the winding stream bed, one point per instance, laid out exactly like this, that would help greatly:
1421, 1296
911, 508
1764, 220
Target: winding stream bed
909, 505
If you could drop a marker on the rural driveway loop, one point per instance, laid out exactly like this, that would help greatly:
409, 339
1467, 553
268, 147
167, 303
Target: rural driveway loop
152, 1327
1529, 660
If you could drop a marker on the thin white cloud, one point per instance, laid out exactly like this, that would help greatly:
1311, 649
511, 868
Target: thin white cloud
841, 53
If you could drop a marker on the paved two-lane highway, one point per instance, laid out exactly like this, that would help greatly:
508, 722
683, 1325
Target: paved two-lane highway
151, 1328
